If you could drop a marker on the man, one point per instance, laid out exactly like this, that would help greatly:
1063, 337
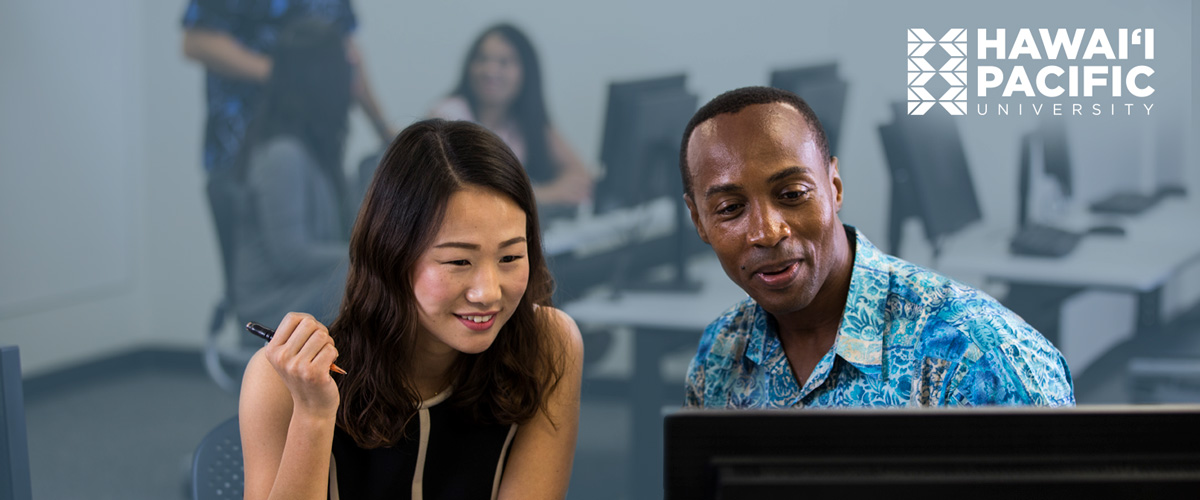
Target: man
831, 320
233, 40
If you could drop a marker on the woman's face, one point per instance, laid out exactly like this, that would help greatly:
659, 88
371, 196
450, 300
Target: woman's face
471, 279
495, 72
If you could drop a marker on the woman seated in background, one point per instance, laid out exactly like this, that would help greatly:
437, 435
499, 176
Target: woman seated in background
462, 381
292, 239
501, 89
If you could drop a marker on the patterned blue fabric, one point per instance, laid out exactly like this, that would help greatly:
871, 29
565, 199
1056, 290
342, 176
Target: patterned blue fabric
255, 24
908, 337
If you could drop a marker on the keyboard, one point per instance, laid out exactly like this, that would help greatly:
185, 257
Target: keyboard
1043, 241
1124, 203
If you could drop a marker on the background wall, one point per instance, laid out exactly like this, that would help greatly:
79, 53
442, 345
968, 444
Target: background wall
105, 238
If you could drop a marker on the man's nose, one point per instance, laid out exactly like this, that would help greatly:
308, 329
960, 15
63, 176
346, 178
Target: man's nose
485, 287
767, 227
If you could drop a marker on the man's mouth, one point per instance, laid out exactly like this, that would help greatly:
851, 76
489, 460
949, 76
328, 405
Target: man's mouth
778, 274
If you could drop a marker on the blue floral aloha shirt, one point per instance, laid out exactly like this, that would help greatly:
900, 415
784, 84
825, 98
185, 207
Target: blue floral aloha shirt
255, 24
908, 337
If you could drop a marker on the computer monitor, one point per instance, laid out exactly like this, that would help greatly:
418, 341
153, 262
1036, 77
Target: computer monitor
995, 452
824, 92
642, 133
640, 149
14, 448
1044, 157
930, 176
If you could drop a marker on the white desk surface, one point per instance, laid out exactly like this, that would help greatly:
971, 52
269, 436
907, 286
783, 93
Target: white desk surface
591, 234
1155, 246
663, 310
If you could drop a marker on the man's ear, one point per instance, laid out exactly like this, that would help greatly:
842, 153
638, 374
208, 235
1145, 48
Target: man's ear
835, 182
687, 199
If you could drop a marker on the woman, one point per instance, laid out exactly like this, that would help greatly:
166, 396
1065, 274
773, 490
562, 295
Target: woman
293, 232
463, 382
501, 89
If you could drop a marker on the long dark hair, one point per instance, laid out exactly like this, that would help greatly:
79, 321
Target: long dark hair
529, 107
308, 95
377, 325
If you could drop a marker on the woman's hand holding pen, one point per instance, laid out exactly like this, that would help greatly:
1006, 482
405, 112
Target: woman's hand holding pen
301, 352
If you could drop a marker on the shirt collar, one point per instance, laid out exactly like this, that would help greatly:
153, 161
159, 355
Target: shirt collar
860, 335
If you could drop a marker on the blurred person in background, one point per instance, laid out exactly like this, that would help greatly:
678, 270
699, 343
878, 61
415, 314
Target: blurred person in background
234, 40
292, 239
500, 87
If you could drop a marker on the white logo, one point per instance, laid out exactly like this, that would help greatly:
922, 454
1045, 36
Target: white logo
954, 71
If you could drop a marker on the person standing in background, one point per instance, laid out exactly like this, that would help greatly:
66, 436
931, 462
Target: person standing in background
292, 239
234, 41
500, 87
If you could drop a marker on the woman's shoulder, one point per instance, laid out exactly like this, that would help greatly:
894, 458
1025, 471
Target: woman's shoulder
563, 326
454, 107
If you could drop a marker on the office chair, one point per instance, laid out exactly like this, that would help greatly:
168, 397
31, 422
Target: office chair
217, 464
227, 197
15, 483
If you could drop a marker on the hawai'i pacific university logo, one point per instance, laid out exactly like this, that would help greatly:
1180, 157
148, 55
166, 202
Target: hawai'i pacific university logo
953, 71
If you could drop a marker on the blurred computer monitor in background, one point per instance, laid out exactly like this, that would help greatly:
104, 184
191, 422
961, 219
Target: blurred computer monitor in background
643, 127
1096, 452
1045, 186
930, 177
643, 130
823, 90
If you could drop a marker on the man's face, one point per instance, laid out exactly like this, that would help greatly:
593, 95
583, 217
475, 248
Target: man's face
765, 200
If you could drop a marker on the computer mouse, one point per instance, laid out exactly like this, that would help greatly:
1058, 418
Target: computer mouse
1107, 230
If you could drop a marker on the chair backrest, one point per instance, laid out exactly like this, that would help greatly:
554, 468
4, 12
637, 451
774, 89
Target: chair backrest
217, 464
14, 447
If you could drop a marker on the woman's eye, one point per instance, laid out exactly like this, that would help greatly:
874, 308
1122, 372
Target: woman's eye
511, 258
461, 262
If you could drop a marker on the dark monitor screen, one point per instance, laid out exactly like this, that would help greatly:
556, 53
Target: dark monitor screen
926, 156
1049, 145
642, 134
1114, 452
824, 92
14, 449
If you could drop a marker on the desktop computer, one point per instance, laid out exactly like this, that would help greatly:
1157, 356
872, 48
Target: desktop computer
996, 452
643, 129
823, 90
930, 178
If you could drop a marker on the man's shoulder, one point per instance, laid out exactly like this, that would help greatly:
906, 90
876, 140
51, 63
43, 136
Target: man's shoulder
736, 322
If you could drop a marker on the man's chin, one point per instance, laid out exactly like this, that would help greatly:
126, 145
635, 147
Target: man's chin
780, 302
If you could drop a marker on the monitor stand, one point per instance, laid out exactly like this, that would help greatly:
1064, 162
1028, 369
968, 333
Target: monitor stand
679, 280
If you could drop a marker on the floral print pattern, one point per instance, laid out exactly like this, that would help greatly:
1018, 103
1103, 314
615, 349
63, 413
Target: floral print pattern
908, 337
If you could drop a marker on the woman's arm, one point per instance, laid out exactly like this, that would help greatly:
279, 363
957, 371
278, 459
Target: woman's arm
287, 413
222, 53
574, 182
539, 463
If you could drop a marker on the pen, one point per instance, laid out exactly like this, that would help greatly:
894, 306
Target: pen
267, 334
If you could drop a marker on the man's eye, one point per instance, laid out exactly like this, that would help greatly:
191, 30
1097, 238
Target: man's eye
729, 209
511, 258
794, 195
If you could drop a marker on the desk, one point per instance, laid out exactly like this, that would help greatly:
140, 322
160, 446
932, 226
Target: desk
1157, 244
662, 322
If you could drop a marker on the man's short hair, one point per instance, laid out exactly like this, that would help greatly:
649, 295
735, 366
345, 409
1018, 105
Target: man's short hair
736, 100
